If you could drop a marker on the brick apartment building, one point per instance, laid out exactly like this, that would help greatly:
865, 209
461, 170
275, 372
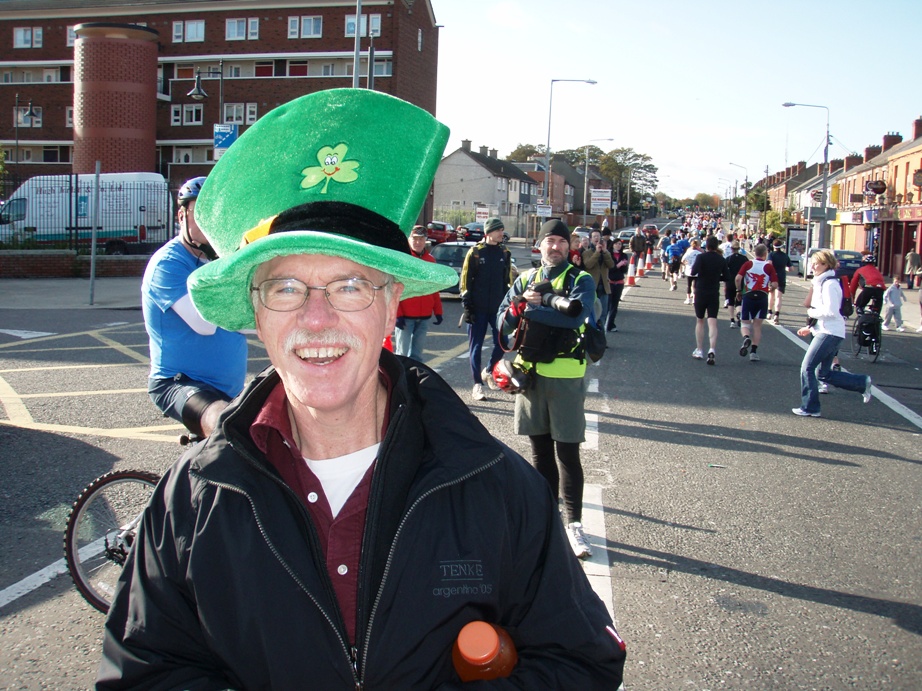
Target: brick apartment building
75, 95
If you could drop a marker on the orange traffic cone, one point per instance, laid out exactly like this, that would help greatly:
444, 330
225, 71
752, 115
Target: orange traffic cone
640, 266
630, 275
649, 266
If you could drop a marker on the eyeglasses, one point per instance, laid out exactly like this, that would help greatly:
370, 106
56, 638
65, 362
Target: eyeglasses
344, 295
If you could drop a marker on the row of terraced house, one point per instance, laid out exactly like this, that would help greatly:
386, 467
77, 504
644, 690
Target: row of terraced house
874, 200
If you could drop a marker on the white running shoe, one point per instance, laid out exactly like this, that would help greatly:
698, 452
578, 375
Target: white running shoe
866, 394
687, 301
822, 387
477, 393
901, 328
803, 413
697, 354
885, 327
578, 541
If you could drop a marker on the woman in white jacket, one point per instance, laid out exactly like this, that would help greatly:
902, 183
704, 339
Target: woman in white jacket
828, 328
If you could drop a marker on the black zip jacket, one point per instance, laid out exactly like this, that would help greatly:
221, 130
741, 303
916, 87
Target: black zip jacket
226, 585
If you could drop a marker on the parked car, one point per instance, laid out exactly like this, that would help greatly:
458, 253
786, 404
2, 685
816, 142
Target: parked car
471, 231
438, 231
452, 254
625, 237
849, 263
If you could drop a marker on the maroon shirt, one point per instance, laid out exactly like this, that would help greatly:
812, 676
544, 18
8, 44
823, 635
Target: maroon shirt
340, 537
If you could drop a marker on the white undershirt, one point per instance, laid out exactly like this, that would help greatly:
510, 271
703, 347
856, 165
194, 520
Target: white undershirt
340, 476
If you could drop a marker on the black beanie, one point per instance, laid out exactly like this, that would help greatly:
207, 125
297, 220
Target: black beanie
554, 227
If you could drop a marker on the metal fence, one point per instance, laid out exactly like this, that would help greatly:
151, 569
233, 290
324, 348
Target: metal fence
60, 211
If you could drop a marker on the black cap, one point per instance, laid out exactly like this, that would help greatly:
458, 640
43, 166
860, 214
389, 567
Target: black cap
554, 227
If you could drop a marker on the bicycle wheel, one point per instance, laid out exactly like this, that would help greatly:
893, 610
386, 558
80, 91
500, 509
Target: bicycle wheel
101, 529
856, 338
874, 345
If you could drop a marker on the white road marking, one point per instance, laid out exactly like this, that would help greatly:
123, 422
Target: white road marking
596, 567
26, 334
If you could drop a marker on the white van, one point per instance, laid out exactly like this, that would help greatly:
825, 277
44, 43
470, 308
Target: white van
59, 210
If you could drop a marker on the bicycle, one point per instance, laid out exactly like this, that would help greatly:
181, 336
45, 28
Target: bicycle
866, 333
102, 527
101, 530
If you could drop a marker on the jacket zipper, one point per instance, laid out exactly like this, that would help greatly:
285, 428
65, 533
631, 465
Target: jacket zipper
349, 651
390, 555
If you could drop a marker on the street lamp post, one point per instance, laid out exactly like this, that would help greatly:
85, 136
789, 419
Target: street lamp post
586, 174
198, 93
823, 221
29, 114
547, 152
745, 189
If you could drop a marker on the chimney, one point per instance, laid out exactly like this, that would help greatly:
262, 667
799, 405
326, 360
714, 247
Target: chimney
835, 164
801, 165
466, 145
870, 152
917, 128
494, 153
483, 151
891, 139
852, 161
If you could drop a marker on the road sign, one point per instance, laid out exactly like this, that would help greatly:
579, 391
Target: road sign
816, 195
481, 214
600, 201
224, 136
544, 210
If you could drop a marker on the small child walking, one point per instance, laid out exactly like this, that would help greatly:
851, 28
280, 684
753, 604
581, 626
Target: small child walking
893, 306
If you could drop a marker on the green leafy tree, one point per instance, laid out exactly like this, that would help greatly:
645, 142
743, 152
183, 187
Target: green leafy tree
523, 152
625, 167
705, 200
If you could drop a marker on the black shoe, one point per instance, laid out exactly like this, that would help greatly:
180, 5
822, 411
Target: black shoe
744, 350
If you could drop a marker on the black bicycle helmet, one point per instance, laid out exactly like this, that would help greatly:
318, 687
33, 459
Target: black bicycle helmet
189, 190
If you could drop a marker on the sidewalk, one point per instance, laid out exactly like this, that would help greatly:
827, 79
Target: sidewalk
70, 293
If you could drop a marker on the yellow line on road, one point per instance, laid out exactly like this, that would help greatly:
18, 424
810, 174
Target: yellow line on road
124, 350
448, 355
62, 394
136, 433
59, 367
58, 337
12, 402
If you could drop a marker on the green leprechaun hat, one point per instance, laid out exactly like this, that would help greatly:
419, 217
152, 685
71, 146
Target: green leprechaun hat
341, 173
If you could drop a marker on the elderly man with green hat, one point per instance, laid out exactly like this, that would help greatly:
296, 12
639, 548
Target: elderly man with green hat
348, 516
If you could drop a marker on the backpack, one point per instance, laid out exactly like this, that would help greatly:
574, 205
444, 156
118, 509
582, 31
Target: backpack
846, 308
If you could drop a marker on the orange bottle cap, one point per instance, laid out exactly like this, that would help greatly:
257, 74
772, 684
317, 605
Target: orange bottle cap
478, 642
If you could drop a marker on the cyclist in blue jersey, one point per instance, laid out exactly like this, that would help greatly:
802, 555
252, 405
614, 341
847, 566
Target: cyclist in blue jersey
196, 368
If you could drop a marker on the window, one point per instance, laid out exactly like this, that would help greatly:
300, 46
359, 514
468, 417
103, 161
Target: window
253, 28
71, 36
51, 75
68, 116
419, 40
252, 113
192, 114
27, 37
297, 68
7, 77
235, 29
51, 154
233, 113
375, 25
234, 71
328, 69
20, 119
305, 27
176, 116
185, 71
192, 31
384, 68
182, 155
263, 69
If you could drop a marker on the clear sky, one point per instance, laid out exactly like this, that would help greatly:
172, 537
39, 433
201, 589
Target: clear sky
694, 85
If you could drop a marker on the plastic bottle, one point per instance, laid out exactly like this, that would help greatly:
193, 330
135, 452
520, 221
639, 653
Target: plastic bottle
483, 651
